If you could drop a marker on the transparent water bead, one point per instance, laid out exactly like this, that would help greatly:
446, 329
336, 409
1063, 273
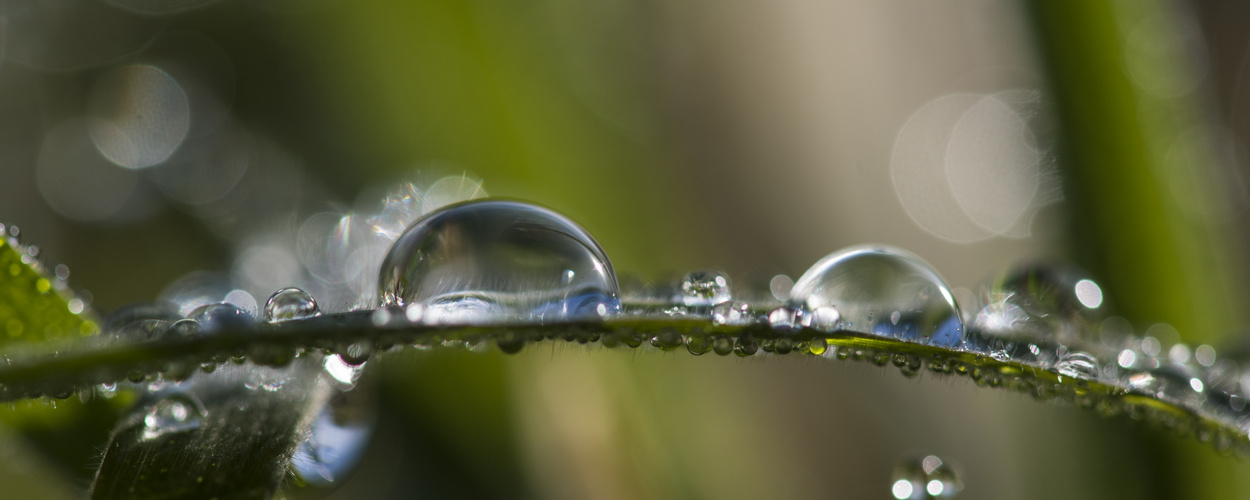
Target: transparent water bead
1051, 302
703, 288
883, 291
919, 478
489, 260
173, 413
221, 316
288, 304
338, 438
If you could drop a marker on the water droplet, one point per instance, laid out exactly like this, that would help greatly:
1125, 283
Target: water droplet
786, 318
490, 259
703, 288
174, 413
746, 345
1042, 302
221, 316
918, 478
357, 353
288, 304
825, 319
731, 313
1077, 364
698, 345
722, 345
667, 340
337, 439
858, 281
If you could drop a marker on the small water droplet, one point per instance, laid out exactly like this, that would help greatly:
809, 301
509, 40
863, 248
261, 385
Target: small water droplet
857, 281
288, 304
490, 259
825, 319
722, 345
731, 313
173, 413
667, 340
357, 353
786, 318
1077, 364
703, 288
924, 477
746, 345
698, 345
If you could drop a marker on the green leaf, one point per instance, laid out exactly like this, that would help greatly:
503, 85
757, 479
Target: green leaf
33, 305
227, 442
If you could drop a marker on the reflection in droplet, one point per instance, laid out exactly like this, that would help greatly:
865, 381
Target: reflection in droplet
703, 288
221, 316
171, 414
866, 284
288, 304
139, 116
337, 439
482, 259
924, 477
1041, 302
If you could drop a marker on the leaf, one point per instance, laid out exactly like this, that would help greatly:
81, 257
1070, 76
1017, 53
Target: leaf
212, 437
33, 305
1209, 416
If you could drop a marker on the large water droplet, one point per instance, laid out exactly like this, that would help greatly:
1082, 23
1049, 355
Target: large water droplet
866, 285
221, 316
919, 478
288, 304
1049, 302
173, 413
491, 259
337, 439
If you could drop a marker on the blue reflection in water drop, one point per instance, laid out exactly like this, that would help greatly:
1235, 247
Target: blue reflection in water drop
221, 316
337, 439
488, 260
883, 291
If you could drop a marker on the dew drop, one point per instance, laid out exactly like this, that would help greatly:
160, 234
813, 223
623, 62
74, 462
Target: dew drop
337, 440
746, 345
919, 478
698, 345
731, 313
858, 281
703, 288
722, 345
221, 316
1049, 302
288, 304
786, 318
490, 260
667, 340
1077, 364
173, 413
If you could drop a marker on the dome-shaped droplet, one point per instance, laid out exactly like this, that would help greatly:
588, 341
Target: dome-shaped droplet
1049, 302
868, 285
140, 322
221, 316
703, 288
288, 304
491, 259
337, 439
173, 413
920, 478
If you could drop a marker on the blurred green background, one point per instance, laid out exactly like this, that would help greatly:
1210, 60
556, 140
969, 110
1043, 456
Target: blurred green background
142, 141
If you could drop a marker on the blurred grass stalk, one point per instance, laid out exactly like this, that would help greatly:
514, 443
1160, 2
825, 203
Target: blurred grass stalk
1152, 206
